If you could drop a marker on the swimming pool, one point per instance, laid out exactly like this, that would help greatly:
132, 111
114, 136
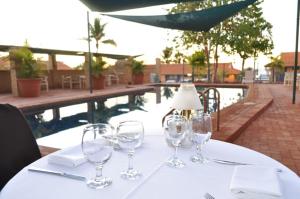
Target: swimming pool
149, 107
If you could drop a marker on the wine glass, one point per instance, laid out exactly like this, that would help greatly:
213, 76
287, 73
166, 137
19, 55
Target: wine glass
130, 135
201, 133
97, 151
175, 130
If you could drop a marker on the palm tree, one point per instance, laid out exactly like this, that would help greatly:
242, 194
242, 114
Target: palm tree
276, 65
167, 53
196, 60
97, 33
179, 57
167, 92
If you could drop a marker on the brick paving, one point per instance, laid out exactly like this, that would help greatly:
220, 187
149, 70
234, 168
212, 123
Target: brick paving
276, 132
237, 117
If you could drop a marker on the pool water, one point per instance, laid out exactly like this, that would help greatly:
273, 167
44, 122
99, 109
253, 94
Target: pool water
148, 108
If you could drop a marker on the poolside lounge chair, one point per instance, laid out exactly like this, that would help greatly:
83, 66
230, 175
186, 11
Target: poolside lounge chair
18, 147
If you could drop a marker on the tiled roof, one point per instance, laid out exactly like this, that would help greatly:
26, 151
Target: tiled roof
5, 65
229, 68
289, 58
63, 66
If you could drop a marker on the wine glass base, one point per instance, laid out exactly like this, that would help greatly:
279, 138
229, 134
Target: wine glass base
175, 163
131, 174
199, 159
99, 184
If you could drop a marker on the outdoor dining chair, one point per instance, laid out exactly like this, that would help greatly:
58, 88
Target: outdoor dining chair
44, 82
18, 147
113, 77
72, 82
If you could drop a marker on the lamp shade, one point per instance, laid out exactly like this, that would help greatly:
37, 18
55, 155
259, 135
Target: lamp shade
187, 98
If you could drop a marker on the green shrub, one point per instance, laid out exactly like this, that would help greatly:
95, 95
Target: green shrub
137, 67
26, 66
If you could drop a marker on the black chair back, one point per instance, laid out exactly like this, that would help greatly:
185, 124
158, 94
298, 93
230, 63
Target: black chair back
18, 147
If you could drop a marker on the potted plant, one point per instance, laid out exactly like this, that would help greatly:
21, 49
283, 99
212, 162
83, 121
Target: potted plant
137, 72
28, 72
97, 72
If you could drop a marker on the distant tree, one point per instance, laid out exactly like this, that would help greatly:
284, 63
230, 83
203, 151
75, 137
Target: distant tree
196, 60
98, 34
79, 67
249, 34
179, 58
210, 41
167, 92
167, 54
276, 66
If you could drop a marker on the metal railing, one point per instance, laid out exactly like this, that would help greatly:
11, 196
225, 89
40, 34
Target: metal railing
216, 102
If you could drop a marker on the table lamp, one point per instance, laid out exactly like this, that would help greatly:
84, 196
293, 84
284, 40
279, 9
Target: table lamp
186, 100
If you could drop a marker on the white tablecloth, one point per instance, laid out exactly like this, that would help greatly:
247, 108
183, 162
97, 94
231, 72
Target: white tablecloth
158, 181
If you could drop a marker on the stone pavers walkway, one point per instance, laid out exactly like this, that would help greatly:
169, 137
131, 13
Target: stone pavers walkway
276, 132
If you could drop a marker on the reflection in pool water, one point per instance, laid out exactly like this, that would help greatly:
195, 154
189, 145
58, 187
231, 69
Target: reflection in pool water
149, 108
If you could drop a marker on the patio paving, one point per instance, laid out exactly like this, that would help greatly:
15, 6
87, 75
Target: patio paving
237, 117
64, 97
276, 132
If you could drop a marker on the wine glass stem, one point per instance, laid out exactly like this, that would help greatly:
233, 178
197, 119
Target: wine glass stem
176, 150
199, 149
130, 157
99, 168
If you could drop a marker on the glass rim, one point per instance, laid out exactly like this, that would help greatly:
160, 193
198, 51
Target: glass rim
97, 125
130, 121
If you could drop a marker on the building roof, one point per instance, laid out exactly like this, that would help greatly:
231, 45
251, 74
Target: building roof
5, 64
228, 67
175, 69
289, 58
63, 66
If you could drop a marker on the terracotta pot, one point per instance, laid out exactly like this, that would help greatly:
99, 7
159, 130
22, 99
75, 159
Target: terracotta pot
29, 87
98, 82
138, 78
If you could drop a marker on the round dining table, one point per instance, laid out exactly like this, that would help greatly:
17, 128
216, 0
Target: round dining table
158, 181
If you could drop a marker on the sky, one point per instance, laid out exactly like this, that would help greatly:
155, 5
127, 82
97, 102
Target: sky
57, 24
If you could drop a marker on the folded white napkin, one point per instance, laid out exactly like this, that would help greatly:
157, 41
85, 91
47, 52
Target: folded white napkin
70, 158
253, 182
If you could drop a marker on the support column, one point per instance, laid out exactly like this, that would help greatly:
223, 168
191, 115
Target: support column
13, 76
158, 95
52, 66
157, 68
56, 114
131, 99
86, 70
90, 113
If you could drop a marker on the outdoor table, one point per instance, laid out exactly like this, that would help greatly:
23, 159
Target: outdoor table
159, 181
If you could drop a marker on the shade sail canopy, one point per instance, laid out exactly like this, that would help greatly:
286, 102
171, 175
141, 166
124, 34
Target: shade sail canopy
6, 48
117, 5
201, 20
